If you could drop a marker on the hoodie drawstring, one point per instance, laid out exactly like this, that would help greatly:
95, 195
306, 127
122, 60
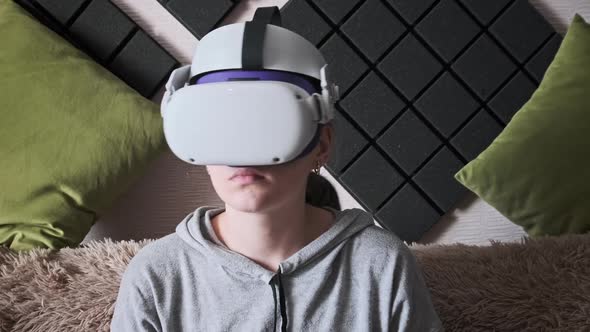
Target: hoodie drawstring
281, 302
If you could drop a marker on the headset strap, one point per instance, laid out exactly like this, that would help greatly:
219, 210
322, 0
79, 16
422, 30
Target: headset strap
252, 47
268, 15
178, 79
253, 41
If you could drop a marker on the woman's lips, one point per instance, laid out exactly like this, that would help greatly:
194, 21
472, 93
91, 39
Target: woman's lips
247, 179
244, 171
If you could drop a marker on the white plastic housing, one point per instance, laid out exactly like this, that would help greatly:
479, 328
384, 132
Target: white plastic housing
221, 49
240, 123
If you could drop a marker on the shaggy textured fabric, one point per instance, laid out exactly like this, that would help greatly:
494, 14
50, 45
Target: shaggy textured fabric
535, 285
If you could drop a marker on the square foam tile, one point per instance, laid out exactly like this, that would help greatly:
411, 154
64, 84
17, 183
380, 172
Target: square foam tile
407, 214
348, 142
62, 10
521, 29
484, 66
436, 178
446, 104
371, 16
314, 28
372, 104
448, 29
512, 96
409, 142
346, 64
410, 66
143, 64
336, 9
372, 178
102, 28
541, 60
411, 10
199, 17
485, 11
41, 14
476, 135
111, 38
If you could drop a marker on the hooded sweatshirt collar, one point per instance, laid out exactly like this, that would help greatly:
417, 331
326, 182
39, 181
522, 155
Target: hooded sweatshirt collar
196, 230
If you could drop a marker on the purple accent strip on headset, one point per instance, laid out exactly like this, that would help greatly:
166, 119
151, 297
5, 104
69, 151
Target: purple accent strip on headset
262, 75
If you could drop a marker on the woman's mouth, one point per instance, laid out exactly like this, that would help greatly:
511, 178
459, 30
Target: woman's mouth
246, 175
247, 179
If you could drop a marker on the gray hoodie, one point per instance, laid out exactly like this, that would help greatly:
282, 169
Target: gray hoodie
355, 276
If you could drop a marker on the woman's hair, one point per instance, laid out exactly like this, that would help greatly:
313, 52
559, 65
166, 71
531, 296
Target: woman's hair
320, 192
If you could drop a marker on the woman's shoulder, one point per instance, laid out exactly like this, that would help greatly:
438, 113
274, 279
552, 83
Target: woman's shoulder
380, 250
375, 240
157, 254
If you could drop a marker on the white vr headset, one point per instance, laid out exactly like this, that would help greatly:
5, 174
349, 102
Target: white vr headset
255, 94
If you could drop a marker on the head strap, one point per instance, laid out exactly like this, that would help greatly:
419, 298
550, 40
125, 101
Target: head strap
268, 15
253, 41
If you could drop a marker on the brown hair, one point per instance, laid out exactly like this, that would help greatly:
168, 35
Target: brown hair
319, 191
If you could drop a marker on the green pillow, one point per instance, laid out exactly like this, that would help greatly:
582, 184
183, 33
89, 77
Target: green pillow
537, 171
73, 136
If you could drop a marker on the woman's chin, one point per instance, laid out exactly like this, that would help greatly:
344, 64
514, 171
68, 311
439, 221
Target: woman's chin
249, 203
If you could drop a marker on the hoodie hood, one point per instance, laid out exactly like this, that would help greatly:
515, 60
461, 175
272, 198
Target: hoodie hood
196, 230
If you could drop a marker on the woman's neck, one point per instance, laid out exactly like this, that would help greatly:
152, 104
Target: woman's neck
271, 237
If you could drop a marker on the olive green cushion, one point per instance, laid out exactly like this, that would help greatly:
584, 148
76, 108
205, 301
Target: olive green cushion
73, 136
537, 171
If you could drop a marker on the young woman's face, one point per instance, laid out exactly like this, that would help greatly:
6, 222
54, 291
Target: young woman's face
278, 185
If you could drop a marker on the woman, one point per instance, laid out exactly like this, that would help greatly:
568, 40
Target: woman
270, 260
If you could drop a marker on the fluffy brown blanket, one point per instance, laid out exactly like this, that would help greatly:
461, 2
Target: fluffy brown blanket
535, 285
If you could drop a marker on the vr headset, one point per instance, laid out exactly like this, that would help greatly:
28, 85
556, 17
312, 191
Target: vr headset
255, 94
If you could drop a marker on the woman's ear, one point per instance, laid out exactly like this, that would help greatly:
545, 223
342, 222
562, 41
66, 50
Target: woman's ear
325, 144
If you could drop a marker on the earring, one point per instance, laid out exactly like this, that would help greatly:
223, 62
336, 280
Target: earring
317, 168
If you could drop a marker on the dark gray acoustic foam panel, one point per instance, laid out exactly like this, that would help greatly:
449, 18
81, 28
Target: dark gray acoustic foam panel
408, 142
512, 96
521, 30
407, 205
541, 60
101, 28
409, 66
62, 10
143, 62
476, 135
410, 10
446, 104
373, 189
485, 11
346, 64
313, 28
40, 13
349, 143
199, 17
111, 38
426, 85
447, 28
372, 104
371, 17
436, 178
336, 9
484, 66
